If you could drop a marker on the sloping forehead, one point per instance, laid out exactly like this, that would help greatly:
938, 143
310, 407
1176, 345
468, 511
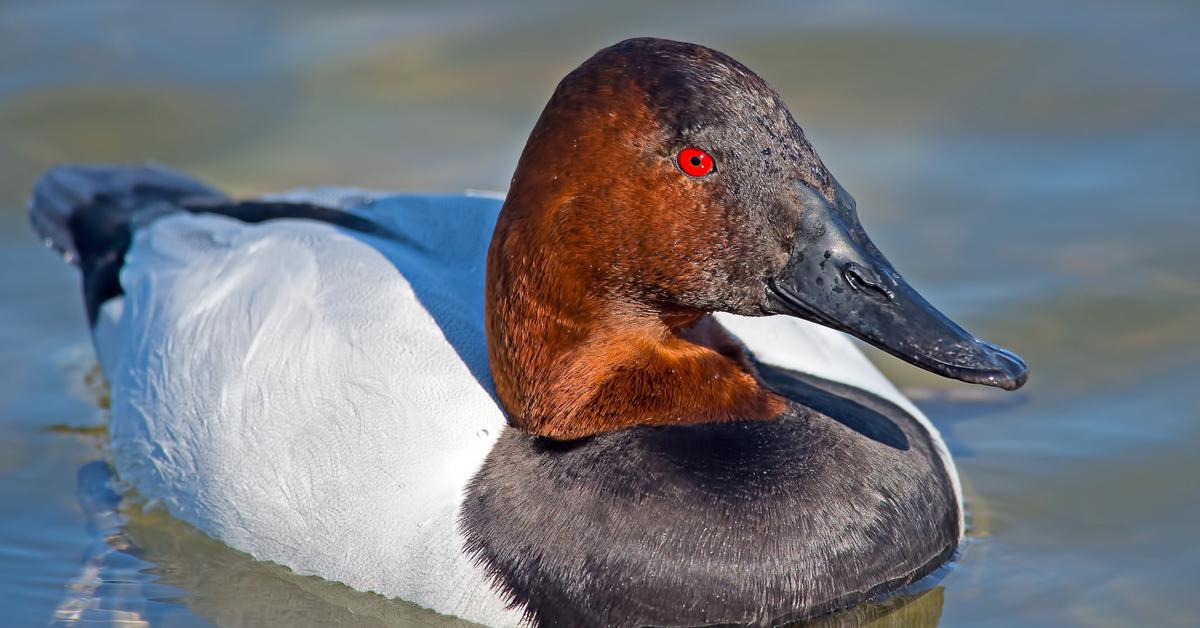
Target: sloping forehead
699, 94
689, 86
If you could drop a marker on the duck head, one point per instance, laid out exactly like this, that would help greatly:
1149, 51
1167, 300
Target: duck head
665, 181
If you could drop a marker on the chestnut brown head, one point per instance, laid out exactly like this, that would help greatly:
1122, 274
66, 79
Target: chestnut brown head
611, 160
664, 181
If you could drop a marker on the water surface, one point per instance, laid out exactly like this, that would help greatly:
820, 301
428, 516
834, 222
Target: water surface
1031, 167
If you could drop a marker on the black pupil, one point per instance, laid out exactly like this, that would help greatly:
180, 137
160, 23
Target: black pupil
696, 161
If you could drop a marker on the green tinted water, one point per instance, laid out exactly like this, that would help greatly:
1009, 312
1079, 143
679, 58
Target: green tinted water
1031, 167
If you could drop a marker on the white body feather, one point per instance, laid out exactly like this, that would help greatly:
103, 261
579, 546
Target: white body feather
320, 398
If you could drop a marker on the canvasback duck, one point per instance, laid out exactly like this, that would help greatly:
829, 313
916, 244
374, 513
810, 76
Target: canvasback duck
618, 396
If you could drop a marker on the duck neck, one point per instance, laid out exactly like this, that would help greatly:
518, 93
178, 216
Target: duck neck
570, 358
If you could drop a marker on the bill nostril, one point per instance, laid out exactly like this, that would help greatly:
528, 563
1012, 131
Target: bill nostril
864, 279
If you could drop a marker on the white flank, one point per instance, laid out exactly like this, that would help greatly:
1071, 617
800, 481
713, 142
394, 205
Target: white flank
320, 399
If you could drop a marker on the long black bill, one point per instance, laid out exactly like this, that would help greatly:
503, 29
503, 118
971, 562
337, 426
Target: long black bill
837, 278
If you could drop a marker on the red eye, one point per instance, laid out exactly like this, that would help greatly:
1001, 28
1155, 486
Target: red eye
695, 162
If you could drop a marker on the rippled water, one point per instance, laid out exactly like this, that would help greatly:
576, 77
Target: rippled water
1031, 167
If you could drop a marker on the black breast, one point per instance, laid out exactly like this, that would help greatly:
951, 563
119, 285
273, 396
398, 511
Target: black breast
842, 500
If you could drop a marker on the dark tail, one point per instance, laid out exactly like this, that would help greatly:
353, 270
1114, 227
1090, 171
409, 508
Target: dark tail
88, 214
